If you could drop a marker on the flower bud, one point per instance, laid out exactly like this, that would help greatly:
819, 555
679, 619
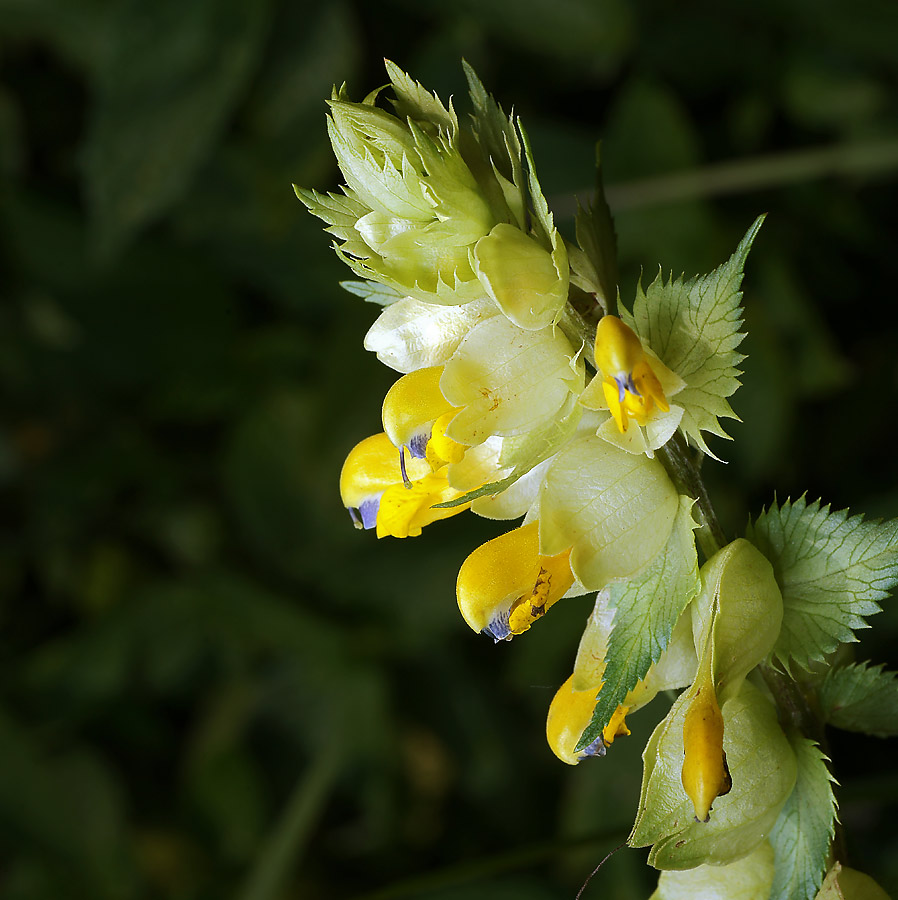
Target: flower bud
413, 210
705, 775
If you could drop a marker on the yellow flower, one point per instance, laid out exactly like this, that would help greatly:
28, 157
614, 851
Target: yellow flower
374, 489
569, 714
634, 386
416, 415
505, 585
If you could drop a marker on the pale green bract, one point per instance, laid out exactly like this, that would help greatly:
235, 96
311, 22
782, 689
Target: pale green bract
860, 698
804, 830
693, 327
763, 771
832, 570
645, 610
616, 510
748, 878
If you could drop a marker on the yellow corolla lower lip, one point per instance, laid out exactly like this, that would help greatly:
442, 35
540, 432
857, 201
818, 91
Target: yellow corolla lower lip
505, 585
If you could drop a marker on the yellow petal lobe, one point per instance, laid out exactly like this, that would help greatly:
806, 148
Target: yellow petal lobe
506, 584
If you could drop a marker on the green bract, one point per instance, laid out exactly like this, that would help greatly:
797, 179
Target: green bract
804, 830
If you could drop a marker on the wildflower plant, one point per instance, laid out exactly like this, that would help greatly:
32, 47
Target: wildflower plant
529, 391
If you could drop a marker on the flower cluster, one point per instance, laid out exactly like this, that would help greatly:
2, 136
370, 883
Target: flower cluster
517, 404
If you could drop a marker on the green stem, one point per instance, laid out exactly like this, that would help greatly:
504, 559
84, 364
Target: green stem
281, 851
680, 465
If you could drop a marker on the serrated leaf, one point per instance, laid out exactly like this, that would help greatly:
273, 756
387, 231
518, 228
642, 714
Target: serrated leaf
832, 570
804, 830
372, 292
693, 326
646, 608
153, 124
861, 698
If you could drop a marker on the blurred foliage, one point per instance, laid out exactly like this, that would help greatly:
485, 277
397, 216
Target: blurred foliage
211, 684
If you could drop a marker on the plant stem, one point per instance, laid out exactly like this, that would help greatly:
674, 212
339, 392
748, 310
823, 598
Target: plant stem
677, 459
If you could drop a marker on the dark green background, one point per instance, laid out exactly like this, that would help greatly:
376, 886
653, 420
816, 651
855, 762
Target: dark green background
211, 685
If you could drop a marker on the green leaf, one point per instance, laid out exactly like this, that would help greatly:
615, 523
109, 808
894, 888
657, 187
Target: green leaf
832, 570
372, 292
173, 74
646, 609
861, 698
693, 326
804, 830
594, 262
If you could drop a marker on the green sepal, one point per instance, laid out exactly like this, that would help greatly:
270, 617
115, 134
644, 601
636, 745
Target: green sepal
736, 618
763, 770
860, 698
803, 832
694, 328
646, 608
832, 570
